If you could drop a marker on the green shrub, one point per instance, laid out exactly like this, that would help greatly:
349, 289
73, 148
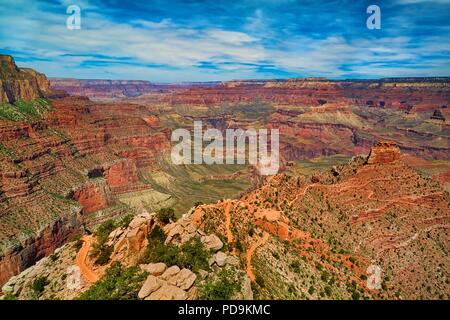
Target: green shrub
194, 256
226, 284
104, 255
295, 266
118, 283
157, 235
165, 215
159, 252
39, 284
191, 254
25, 109
10, 296
53, 257
260, 280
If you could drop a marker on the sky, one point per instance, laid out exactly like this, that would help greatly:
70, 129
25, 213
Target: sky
193, 40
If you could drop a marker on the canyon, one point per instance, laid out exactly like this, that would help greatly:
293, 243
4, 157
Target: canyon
364, 178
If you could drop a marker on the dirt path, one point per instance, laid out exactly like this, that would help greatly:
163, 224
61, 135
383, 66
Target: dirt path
303, 192
227, 209
250, 252
88, 274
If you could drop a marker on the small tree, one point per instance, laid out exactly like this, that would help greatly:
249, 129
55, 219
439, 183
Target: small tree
39, 284
166, 214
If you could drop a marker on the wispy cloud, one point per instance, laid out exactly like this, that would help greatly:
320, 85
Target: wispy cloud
192, 41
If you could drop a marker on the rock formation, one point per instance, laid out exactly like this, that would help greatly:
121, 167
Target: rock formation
383, 152
20, 83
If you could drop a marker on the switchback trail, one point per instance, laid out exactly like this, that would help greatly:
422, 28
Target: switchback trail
80, 260
250, 252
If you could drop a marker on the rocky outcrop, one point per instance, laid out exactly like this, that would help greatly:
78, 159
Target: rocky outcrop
20, 83
172, 284
384, 152
93, 196
21, 256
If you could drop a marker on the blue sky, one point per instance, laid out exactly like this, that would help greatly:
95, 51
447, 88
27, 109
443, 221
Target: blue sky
193, 40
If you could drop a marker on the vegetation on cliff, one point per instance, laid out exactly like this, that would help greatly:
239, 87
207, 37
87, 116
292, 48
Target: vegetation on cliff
118, 283
24, 110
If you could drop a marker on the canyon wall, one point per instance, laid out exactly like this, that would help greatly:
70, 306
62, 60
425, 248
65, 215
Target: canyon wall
20, 83
64, 164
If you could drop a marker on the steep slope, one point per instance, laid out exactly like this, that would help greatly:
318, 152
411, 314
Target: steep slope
20, 83
316, 237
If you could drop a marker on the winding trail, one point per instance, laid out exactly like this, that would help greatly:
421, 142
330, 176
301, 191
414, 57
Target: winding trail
303, 192
227, 208
250, 253
80, 260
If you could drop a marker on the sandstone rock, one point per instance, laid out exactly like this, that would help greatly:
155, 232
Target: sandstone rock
137, 222
150, 285
186, 237
190, 228
384, 151
232, 260
168, 227
116, 233
7, 288
175, 231
155, 269
170, 272
220, 258
185, 279
212, 242
192, 293
168, 292
184, 222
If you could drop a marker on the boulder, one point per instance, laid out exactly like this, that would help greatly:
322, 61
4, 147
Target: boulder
170, 272
155, 269
220, 258
175, 231
137, 222
151, 284
168, 292
212, 242
184, 279
192, 293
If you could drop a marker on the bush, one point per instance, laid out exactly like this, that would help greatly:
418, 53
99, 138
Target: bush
104, 255
157, 235
194, 256
223, 288
159, 252
295, 266
165, 215
311, 290
10, 296
118, 283
39, 284
260, 281
191, 254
